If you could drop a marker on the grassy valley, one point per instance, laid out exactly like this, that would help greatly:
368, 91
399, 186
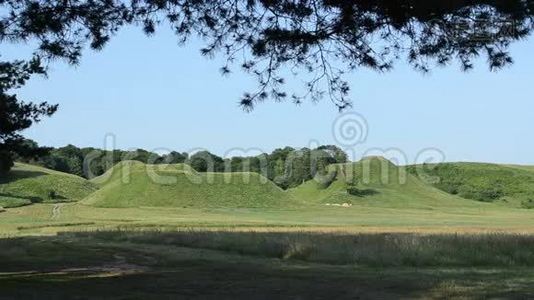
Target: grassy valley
134, 195
370, 228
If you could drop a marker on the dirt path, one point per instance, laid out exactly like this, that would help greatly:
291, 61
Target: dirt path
56, 211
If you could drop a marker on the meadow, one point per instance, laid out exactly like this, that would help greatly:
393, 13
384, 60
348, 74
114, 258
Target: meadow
136, 238
200, 263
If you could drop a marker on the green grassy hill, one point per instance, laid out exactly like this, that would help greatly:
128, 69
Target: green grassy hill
26, 184
379, 183
521, 167
509, 185
135, 184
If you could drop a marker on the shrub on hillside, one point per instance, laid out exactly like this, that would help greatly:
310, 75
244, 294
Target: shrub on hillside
52, 195
481, 193
449, 187
354, 191
481, 182
491, 194
528, 204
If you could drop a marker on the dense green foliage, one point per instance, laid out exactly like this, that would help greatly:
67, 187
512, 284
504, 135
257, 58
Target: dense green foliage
204, 161
482, 182
92, 162
15, 114
528, 204
287, 167
26, 184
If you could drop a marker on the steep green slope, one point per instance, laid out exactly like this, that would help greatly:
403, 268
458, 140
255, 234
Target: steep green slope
379, 183
26, 184
134, 184
505, 184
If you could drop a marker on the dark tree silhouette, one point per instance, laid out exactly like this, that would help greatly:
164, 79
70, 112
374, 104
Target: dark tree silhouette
319, 39
16, 115
322, 37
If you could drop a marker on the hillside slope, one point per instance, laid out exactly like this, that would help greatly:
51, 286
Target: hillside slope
135, 184
26, 184
508, 185
380, 183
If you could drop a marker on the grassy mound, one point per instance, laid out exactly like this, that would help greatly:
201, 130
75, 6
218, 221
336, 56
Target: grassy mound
378, 182
506, 184
26, 184
134, 184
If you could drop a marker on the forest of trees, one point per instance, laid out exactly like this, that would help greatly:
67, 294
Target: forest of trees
287, 167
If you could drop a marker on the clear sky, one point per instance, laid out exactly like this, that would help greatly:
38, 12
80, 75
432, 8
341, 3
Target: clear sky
152, 94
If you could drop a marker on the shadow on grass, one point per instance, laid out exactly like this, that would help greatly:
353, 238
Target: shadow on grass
15, 175
58, 199
265, 265
363, 192
32, 199
35, 199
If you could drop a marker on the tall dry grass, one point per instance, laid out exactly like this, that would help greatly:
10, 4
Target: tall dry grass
366, 249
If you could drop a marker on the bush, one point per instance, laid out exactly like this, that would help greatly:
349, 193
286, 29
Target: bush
491, 194
52, 195
449, 187
481, 193
481, 182
351, 190
528, 204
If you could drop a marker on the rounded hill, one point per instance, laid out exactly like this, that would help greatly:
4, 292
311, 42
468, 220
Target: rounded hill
26, 184
135, 184
374, 181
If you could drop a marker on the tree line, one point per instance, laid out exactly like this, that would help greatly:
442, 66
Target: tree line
287, 167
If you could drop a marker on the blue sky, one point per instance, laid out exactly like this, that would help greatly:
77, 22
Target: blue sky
150, 93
